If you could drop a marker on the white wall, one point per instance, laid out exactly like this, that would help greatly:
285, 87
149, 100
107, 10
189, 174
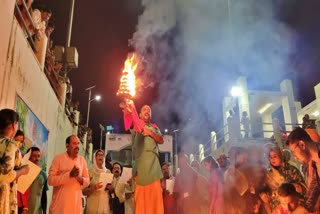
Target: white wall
6, 11
23, 77
20, 74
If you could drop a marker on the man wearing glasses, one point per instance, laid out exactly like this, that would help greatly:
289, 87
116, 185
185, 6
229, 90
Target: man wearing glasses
307, 152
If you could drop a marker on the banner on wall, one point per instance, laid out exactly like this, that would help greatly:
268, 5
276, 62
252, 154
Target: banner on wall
36, 134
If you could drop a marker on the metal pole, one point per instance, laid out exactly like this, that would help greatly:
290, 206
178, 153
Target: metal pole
64, 72
176, 150
69, 30
89, 100
100, 138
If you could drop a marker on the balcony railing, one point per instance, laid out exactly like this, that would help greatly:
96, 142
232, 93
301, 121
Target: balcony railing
46, 59
24, 18
223, 140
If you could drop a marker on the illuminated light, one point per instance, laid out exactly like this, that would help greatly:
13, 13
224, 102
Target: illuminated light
127, 87
166, 131
315, 114
97, 98
236, 91
264, 108
191, 158
201, 152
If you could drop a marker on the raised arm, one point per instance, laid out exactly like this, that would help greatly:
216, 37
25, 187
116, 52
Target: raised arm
130, 116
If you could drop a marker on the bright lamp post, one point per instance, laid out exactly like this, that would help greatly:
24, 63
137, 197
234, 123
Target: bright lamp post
236, 91
176, 148
97, 98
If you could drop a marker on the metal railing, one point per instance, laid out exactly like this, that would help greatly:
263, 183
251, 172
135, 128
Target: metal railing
221, 140
22, 20
25, 21
23, 15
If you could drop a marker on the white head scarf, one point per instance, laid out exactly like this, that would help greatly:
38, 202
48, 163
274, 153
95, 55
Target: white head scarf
103, 200
96, 169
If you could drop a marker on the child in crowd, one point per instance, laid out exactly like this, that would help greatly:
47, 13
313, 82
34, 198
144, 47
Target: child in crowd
289, 200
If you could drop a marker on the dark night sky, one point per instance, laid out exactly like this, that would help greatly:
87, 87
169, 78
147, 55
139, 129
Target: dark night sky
101, 31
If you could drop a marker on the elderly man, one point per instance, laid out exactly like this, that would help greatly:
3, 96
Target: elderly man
307, 152
68, 174
146, 165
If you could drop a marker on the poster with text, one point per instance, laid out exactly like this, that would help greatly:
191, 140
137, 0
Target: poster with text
36, 134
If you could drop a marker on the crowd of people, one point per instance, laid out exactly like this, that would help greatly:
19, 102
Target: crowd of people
35, 23
250, 179
71, 180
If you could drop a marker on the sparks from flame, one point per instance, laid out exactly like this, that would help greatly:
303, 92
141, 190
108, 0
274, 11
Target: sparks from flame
128, 79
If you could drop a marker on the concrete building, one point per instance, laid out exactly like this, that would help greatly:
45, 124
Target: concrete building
23, 80
270, 113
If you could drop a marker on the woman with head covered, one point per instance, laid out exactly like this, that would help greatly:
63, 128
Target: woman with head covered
281, 171
97, 198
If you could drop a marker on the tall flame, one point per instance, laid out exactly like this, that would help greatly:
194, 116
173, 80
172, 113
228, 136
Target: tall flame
127, 87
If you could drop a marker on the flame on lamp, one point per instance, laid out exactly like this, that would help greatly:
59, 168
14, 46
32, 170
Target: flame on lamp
127, 87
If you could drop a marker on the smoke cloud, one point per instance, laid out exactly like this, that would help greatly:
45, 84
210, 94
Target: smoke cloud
195, 50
